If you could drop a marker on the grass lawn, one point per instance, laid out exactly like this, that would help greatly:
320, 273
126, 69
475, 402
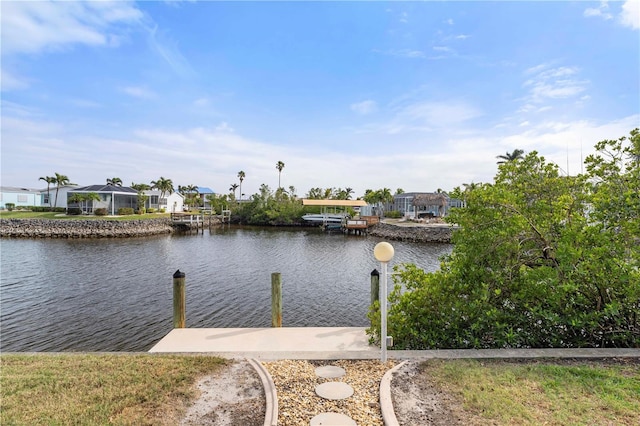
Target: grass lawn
143, 389
535, 393
83, 389
55, 215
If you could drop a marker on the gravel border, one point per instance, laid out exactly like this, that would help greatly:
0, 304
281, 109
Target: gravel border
295, 381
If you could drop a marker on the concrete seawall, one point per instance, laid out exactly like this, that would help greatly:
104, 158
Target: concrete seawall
60, 228
413, 233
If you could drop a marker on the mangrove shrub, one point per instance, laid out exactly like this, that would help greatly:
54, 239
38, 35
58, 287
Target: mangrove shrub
541, 259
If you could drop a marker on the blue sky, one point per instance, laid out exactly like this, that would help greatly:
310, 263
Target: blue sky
412, 95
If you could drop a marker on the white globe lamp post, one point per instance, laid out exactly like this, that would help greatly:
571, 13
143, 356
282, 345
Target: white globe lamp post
383, 252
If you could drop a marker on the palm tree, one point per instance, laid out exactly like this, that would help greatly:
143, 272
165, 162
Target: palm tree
241, 176
233, 188
49, 180
82, 198
116, 181
163, 185
140, 186
348, 191
292, 192
191, 194
91, 196
279, 167
61, 180
510, 156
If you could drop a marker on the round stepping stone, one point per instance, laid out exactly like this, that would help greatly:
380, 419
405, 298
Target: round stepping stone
330, 372
335, 419
334, 390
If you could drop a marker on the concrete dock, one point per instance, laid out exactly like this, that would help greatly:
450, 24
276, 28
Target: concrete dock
336, 343
272, 343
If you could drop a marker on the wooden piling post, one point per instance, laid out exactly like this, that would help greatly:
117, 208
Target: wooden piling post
375, 286
276, 300
179, 300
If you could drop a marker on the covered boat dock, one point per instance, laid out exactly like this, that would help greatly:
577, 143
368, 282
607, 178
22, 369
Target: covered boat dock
358, 224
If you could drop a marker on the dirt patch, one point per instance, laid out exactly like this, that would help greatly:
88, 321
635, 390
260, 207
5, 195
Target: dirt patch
234, 396
417, 401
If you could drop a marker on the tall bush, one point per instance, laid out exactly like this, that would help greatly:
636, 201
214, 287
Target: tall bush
540, 260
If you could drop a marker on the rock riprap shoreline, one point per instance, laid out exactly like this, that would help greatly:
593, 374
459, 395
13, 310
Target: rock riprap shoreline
413, 233
60, 228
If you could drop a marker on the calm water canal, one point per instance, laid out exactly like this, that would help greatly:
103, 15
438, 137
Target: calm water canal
116, 295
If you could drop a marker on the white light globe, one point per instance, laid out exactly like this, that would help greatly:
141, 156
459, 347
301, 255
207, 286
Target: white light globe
383, 252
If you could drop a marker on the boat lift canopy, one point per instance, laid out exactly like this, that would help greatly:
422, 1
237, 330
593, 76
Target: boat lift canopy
334, 203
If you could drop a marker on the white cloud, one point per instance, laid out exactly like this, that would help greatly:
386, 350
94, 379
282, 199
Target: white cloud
554, 83
403, 53
224, 128
364, 107
602, 10
215, 155
438, 114
10, 82
201, 102
139, 92
30, 27
169, 51
630, 15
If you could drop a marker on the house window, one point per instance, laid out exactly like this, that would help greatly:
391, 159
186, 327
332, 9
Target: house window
45, 199
163, 202
22, 198
154, 199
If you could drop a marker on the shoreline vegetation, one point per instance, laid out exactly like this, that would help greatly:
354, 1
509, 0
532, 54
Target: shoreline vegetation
111, 228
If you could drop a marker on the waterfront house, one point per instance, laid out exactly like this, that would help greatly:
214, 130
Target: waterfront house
19, 197
424, 204
203, 191
171, 203
51, 196
112, 197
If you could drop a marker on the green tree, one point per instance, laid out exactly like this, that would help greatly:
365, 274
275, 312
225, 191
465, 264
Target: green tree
50, 180
292, 192
140, 187
115, 181
540, 260
218, 202
60, 180
82, 198
190, 193
165, 186
279, 167
233, 188
141, 197
76, 198
241, 176
510, 156
315, 194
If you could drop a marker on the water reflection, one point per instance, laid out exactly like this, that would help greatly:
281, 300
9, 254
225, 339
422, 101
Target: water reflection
116, 295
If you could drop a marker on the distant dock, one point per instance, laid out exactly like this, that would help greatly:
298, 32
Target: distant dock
359, 225
198, 220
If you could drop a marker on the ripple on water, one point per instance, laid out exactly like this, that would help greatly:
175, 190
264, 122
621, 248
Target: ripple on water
116, 295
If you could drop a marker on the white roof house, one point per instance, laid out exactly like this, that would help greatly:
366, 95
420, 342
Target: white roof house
172, 203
